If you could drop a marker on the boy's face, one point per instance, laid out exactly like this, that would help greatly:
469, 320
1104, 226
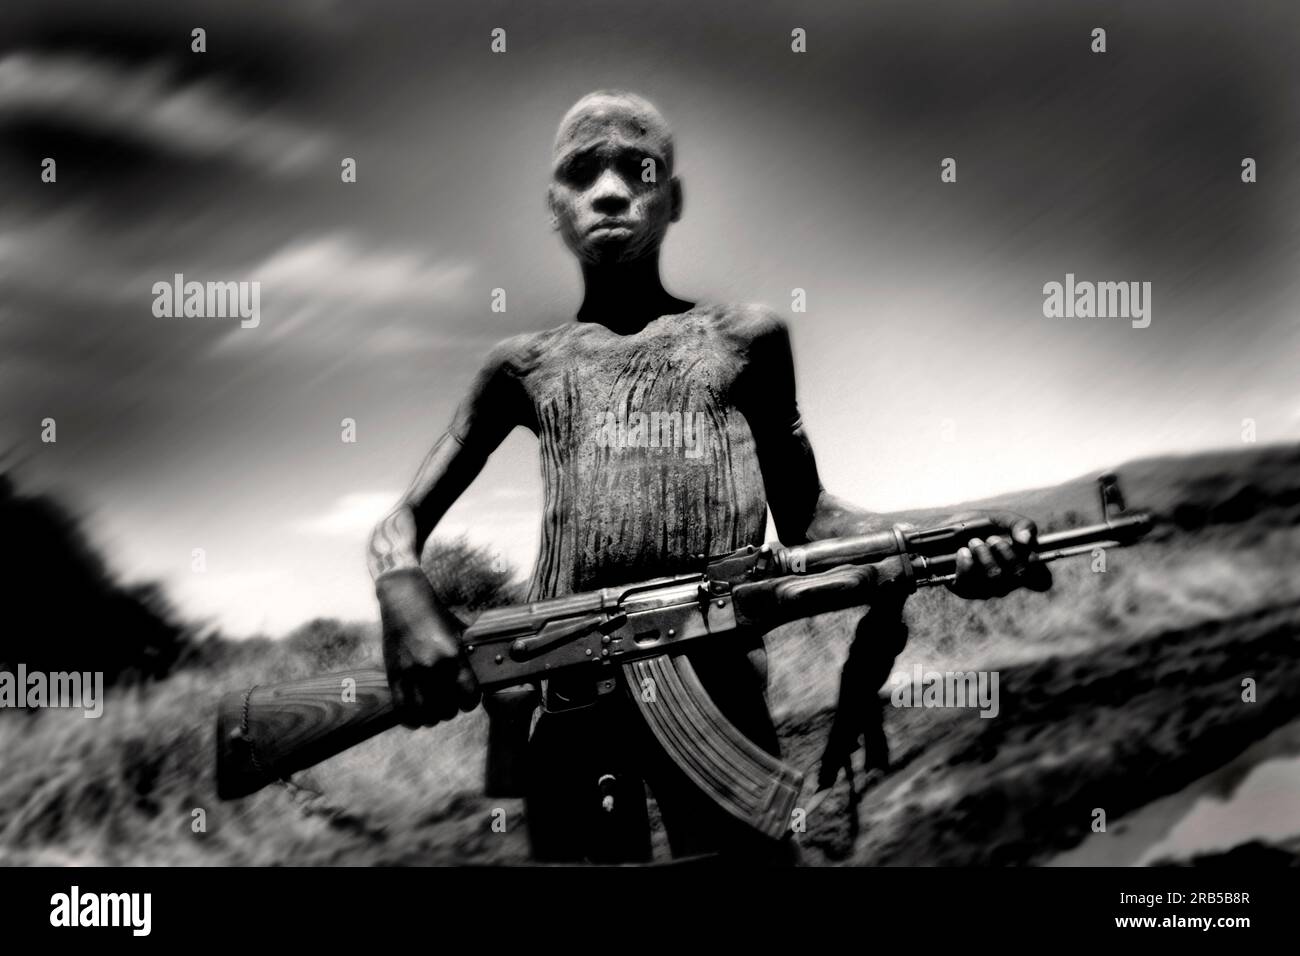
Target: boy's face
613, 193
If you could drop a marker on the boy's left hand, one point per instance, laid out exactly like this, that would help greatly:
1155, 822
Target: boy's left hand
999, 564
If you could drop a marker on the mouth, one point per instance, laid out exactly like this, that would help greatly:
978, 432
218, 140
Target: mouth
610, 227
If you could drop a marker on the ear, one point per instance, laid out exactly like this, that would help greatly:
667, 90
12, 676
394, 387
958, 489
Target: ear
550, 205
676, 186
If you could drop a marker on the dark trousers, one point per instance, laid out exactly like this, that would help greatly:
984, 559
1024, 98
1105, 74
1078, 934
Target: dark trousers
570, 752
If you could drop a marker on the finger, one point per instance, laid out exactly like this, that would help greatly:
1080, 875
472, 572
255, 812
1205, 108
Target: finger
1024, 532
435, 707
467, 691
984, 558
961, 585
420, 705
451, 671
1006, 555
404, 702
441, 699
1023, 568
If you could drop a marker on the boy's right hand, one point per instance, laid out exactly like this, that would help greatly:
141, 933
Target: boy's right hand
427, 672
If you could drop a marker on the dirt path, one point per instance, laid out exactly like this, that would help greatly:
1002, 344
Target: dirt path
1113, 729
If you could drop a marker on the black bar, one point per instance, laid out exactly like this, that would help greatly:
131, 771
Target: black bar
924, 907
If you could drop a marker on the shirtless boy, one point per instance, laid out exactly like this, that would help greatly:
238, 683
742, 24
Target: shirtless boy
618, 511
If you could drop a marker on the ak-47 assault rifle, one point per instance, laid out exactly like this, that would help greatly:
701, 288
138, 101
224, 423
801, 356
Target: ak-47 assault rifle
271, 731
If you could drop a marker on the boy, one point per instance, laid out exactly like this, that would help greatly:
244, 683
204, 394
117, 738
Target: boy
717, 382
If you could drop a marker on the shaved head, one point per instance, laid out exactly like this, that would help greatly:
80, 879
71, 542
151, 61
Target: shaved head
618, 114
613, 192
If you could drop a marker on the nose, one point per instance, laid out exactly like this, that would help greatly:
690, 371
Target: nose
609, 194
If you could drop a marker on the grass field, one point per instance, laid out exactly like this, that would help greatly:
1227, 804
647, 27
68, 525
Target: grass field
1117, 688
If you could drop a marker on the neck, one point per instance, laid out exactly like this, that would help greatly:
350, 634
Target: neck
625, 296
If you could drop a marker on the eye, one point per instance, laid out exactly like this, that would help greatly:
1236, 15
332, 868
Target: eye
636, 169
580, 171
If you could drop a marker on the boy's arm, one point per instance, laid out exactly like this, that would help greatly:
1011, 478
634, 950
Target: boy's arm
805, 511
802, 509
429, 678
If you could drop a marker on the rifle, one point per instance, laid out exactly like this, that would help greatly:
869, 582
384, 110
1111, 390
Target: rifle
639, 631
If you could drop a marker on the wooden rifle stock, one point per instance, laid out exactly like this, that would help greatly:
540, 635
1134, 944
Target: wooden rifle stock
272, 730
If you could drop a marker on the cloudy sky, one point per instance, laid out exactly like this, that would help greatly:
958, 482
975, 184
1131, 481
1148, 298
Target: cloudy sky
928, 371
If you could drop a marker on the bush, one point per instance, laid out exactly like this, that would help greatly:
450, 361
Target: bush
76, 616
467, 577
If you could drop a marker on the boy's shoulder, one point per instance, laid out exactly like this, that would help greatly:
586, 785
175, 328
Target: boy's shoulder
747, 320
750, 328
520, 353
